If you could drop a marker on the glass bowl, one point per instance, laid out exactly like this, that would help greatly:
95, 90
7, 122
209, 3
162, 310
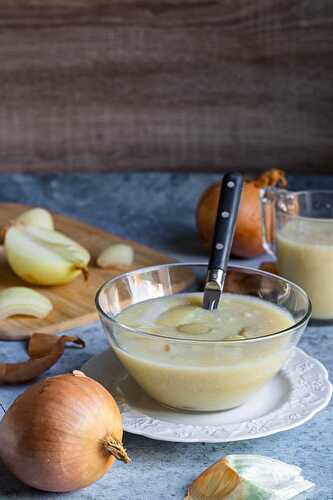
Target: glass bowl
200, 375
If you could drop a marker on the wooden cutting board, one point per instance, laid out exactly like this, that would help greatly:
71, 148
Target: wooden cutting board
74, 303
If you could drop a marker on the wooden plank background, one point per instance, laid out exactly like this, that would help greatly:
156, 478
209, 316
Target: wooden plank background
109, 84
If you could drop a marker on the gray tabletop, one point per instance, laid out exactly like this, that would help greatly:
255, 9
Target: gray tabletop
158, 210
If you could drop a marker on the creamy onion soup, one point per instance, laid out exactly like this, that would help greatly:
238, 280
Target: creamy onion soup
202, 376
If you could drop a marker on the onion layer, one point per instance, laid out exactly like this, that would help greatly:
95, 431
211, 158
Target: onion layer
62, 434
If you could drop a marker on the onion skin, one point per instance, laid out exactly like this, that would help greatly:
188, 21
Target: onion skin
248, 232
44, 351
62, 434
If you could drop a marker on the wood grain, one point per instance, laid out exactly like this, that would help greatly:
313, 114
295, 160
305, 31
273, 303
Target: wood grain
74, 303
192, 84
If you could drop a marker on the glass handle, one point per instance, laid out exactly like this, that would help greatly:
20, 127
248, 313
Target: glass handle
268, 198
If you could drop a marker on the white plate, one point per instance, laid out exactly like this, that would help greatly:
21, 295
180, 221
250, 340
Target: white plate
296, 394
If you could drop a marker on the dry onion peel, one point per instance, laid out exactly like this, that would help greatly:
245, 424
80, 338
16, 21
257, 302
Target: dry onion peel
62, 434
3, 231
237, 282
248, 234
42, 344
44, 351
269, 267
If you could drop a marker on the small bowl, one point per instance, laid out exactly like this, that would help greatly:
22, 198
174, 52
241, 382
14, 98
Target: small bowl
235, 368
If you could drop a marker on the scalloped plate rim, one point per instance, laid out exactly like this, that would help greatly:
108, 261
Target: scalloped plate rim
128, 427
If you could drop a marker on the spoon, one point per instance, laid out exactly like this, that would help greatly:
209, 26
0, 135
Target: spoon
231, 190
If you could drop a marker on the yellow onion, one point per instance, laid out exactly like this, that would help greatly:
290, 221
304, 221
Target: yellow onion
62, 434
42, 256
248, 238
37, 217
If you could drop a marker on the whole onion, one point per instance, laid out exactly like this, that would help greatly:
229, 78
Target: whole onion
62, 434
248, 238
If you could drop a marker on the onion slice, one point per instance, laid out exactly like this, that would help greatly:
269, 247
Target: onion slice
116, 255
20, 300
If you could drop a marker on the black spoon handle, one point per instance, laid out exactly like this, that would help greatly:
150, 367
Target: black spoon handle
231, 190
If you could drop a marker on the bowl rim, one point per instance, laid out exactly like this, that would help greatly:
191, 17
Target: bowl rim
303, 321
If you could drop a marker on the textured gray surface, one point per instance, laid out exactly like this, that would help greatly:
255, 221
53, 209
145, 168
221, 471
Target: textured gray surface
158, 209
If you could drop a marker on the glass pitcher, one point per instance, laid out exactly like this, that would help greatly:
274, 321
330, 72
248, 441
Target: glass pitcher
298, 231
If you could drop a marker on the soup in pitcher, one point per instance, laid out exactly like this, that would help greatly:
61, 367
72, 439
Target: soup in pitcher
304, 249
